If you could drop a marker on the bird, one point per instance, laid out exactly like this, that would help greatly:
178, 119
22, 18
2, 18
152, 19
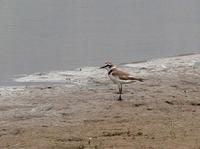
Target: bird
119, 76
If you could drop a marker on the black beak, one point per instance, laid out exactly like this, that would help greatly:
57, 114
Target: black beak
102, 67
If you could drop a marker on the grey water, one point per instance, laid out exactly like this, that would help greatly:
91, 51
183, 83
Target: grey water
45, 35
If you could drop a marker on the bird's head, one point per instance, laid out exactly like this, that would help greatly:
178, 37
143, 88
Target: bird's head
107, 66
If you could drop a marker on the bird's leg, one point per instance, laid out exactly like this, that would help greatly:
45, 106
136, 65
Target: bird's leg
120, 92
118, 89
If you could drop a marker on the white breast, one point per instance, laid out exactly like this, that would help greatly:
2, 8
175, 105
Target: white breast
117, 80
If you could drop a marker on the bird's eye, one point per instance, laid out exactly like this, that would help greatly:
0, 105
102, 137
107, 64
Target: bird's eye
107, 65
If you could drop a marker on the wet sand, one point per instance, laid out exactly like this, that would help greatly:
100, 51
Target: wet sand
160, 113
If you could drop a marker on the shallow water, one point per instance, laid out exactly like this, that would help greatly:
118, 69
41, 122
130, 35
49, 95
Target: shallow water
45, 35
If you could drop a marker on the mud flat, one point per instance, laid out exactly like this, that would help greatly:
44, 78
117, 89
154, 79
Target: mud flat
83, 113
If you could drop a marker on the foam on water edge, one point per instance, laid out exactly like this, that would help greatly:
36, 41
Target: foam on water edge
88, 75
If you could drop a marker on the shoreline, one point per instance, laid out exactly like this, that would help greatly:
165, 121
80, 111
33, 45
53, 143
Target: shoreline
143, 68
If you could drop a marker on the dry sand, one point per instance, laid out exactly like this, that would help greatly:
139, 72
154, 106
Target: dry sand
161, 113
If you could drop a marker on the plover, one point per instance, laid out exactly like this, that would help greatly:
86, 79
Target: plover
119, 76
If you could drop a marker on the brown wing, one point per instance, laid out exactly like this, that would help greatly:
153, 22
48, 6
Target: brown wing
124, 75
121, 74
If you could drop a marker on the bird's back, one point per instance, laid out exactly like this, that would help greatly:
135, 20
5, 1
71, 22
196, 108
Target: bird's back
121, 76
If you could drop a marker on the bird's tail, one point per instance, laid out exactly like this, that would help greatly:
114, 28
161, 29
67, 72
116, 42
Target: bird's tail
138, 79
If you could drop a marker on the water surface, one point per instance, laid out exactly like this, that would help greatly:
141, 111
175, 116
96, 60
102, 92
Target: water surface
45, 35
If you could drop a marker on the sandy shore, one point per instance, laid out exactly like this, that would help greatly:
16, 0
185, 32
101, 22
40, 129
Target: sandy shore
161, 113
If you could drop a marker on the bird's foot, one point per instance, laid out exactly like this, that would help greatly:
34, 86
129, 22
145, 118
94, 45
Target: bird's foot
120, 98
